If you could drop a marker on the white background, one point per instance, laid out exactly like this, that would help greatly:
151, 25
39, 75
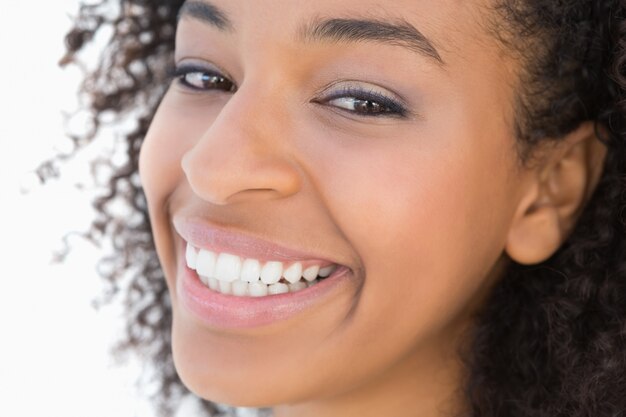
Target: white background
54, 345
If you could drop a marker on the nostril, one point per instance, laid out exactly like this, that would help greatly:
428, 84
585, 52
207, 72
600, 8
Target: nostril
255, 194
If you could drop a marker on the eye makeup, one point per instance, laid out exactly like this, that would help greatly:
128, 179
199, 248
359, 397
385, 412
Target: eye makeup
364, 102
198, 78
356, 98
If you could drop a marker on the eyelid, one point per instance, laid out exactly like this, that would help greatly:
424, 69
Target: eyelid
395, 108
178, 70
396, 105
392, 100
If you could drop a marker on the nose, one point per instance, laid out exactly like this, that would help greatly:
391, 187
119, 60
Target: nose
243, 154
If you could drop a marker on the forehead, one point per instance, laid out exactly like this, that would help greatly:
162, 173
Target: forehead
448, 26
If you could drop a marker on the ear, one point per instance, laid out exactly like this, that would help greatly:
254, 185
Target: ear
560, 185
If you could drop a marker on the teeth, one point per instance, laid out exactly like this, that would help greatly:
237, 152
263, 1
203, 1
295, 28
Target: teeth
324, 272
231, 275
297, 286
213, 283
271, 272
278, 288
293, 273
205, 263
191, 255
240, 288
257, 289
225, 287
203, 279
311, 272
251, 270
228, 267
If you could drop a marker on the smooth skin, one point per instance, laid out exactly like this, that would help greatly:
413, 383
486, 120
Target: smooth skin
425, 208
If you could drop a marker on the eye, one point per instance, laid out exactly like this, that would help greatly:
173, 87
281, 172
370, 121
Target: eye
201, 79
364, 103
361, 106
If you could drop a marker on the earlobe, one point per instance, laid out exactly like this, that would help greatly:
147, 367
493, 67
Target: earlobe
560, 187
536, 231
535, 236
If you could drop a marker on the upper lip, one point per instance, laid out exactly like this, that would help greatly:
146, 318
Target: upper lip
204, 235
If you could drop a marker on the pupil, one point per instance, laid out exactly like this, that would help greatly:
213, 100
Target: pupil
211, 79
368, 106
215, 81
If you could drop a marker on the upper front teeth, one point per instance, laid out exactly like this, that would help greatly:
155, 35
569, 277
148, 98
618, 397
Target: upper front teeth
227, 268
235, 271
250, 271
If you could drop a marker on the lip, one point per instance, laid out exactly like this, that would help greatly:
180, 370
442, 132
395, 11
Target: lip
220, 311
204, 236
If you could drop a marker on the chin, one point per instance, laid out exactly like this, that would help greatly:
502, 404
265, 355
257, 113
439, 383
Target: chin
216, 373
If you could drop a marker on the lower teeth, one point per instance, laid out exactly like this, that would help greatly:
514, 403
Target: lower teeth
257, 289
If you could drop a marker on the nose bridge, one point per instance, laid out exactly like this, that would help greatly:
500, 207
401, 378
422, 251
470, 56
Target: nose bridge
243, 153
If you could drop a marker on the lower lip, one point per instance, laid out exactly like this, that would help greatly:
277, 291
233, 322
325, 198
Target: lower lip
232, 312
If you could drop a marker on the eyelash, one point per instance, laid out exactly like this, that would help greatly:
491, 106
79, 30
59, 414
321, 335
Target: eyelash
373, 103
388, 106
179, 74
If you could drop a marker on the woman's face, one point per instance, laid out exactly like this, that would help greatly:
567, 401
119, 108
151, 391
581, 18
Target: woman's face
369, 136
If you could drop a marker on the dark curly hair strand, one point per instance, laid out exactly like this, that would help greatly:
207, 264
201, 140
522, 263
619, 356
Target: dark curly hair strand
551, 340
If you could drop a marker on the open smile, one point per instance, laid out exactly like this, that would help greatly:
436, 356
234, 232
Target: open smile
232, 275
232, 281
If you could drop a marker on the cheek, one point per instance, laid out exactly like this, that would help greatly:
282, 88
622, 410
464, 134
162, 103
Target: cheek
436, 215
170, 136
162, 151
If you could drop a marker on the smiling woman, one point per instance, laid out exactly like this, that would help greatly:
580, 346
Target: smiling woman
357, 208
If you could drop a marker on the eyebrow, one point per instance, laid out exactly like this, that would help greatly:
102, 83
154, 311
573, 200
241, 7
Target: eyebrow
205, 12
397, 33
400, 33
